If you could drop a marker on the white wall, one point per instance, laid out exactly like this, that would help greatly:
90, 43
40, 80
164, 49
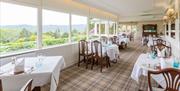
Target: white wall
68, 51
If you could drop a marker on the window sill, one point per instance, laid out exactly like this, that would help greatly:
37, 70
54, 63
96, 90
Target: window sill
33, 50
18, 53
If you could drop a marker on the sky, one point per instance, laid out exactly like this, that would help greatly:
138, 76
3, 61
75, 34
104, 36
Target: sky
11, 14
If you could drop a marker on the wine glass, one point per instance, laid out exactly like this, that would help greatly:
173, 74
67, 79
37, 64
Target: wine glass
39, 60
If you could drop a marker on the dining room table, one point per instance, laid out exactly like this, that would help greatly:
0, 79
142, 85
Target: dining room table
109, 49
124, 39
146, 62
43, 70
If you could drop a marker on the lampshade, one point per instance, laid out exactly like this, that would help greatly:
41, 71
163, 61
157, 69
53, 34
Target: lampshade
165, 17
170, 12
171, 15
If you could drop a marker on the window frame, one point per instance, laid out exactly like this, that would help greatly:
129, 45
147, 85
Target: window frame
40, 29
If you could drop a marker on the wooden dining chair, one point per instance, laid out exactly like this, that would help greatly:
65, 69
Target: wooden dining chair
171, 76
84, 52
1, 87
159, 41
27, 86
169, 50
115, 40
98, 56
104, 39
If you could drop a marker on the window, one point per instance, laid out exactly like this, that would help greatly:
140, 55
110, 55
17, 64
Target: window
111, 28
79, 28
173, 31
18, 29
103, 24
128, 28
55, 28
124, 28
94, 28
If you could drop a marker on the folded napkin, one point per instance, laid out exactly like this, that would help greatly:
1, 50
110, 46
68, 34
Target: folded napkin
19, 66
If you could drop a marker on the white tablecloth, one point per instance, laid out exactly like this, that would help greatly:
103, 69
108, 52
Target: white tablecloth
112, 51
125, 40
47, 72
141, 67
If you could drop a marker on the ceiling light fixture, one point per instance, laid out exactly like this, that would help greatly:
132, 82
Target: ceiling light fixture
170, 16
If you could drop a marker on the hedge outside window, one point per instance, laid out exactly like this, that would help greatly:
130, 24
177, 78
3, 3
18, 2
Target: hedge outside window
55, 28
18, 29
79, 28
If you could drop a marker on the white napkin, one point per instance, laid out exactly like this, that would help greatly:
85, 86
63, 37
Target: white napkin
19, 66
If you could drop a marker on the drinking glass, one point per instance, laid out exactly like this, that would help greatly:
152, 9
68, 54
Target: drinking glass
176, 63
39, 60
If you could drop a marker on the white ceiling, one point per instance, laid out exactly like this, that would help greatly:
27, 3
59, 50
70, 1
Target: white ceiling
131, 10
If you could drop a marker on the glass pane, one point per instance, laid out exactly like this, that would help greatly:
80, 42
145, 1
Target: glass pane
128, 28
55, 28
93, 28
173, 31
124, 28
79, 27
102, 27
18, 29
111, 28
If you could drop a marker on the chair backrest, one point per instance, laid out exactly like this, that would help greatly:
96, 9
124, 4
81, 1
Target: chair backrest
169, 50
1, 88
104, 39
27, 86
83, 47
171, 76
159, 42
96, 48
114, 39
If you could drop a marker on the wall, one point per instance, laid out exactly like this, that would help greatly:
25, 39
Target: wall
68, 51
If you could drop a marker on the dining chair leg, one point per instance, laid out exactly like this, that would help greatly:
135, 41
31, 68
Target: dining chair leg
87, 60
108, 61
84, 59
101, 64
107, 65
97, 61
79, 61
101, 67
92, 64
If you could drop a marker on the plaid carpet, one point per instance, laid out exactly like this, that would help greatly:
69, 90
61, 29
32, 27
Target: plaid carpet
115, 78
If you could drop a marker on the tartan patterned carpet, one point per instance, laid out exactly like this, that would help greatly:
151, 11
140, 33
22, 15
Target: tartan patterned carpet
115, 78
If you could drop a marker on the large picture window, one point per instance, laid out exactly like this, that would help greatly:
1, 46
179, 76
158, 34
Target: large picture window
111, 28
18, 27
79, 27
55, 28
94, 28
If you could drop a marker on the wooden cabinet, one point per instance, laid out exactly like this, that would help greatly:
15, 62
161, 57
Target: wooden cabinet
149, 29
